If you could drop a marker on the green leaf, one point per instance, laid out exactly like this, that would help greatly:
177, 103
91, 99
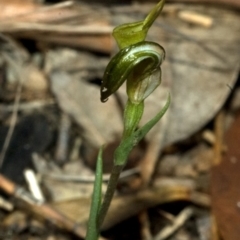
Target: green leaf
92, 230
123, 150
140, 133
128, 143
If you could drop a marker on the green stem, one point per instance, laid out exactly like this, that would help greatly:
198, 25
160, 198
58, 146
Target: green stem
132, 115
112, 184
129, 140
92, 230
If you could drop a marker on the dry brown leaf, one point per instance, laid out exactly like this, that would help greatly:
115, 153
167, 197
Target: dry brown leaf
101, 123
203, 62
225, 186
20, 66
123, 207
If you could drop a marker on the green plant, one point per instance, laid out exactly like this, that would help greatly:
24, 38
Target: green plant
138, 62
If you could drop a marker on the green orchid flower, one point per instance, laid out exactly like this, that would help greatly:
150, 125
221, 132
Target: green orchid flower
139, 64
138, 61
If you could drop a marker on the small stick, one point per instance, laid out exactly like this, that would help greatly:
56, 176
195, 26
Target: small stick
27, 106
21, 79
55, 28
12, 124
43, 210
218, 147
6, 205
34, 185
168, 216
196, 18
88, 179
63, 139
183, 216
209, 137
214, 228
145, 225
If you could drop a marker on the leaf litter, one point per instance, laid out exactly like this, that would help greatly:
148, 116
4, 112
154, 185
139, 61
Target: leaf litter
200, 72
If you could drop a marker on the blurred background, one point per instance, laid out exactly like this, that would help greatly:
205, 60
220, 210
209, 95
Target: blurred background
181, 182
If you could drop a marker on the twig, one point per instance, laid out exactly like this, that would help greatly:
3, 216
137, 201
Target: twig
16, 105
12, 124
63, 139
196, 18
183, 216
145, 225
4, 204
168, 216
209, 137
33, 184
88, 179
218, 147
55, 28
27, 105
43, 210
214, 228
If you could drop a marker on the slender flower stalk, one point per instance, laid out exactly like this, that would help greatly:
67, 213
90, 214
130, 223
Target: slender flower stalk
138, 63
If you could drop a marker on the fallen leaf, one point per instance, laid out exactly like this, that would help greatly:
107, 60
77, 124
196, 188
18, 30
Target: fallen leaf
225, 186
203, 64
126, 206
101, 123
